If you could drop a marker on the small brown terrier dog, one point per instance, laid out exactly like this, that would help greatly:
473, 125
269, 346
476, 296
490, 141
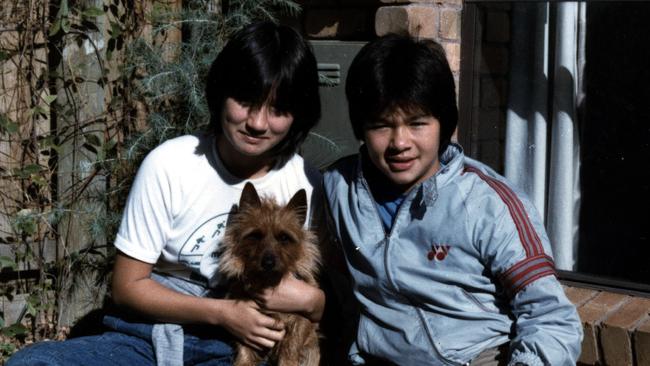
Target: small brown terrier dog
263, 242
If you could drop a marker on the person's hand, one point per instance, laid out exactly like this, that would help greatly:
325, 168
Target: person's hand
244, 321
292, 295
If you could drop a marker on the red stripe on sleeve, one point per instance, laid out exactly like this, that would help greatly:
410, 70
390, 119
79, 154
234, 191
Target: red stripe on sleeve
527, 234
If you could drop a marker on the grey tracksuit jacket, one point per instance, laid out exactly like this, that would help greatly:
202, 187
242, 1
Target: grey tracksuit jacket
466, 266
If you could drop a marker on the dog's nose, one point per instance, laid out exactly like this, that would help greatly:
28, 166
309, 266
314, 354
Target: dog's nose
268, 262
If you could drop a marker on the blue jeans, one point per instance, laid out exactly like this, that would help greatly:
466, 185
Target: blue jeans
129, 344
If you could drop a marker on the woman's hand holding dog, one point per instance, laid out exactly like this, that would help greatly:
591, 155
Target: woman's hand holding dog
294, 296
134, 289
244, 320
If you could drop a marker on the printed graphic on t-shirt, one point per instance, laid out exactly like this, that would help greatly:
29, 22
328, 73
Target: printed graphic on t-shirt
199, 252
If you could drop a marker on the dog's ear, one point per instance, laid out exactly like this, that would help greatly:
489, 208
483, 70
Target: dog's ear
249, 196
298, 204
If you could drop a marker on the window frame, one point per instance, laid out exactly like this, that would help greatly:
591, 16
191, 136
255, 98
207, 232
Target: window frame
468, 132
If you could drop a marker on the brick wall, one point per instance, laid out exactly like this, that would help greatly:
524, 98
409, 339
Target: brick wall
616, 327
365, 19
439, 20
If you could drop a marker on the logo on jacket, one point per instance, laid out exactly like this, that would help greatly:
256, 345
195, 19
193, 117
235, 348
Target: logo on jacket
438, 252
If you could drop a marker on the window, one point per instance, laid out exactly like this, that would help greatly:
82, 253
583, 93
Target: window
556, 96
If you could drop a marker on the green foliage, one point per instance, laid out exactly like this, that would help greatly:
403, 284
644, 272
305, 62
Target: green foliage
25, 222
7, 125
6, 349
14, 330
6, 262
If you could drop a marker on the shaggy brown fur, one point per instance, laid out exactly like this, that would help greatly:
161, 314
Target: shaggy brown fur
263, 242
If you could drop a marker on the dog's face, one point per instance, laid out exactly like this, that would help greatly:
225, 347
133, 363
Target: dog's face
265, 241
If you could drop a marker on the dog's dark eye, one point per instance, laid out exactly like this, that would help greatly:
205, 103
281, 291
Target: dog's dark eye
284, 238
254, 235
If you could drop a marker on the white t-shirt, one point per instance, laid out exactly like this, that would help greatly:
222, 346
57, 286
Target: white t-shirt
177, 210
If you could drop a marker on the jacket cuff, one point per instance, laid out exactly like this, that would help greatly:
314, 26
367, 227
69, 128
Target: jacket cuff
527, 358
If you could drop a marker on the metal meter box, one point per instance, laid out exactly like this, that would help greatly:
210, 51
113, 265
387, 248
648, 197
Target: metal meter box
332, 138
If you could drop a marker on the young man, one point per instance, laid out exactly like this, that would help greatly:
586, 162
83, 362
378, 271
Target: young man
449, 264
262, 91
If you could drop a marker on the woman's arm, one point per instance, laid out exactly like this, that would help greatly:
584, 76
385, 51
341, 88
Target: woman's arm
134, 289
294, 296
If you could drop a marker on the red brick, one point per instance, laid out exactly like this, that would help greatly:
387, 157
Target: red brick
616, 330
642, 344
591, 314
457, 3
578, 296
451, 2
630, 314
415, 20
596, 308
450, 24
590, 354
391, 19
452, 50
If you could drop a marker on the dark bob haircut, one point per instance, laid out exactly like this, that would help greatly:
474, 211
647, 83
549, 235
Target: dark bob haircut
266, 62
399, 72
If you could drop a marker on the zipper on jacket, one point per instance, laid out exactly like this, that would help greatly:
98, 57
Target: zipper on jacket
374, 204
388, 235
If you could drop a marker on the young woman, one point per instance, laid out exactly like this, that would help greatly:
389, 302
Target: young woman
262, 91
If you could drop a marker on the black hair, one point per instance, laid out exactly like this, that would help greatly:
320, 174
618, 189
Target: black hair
398, 71
267, 62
